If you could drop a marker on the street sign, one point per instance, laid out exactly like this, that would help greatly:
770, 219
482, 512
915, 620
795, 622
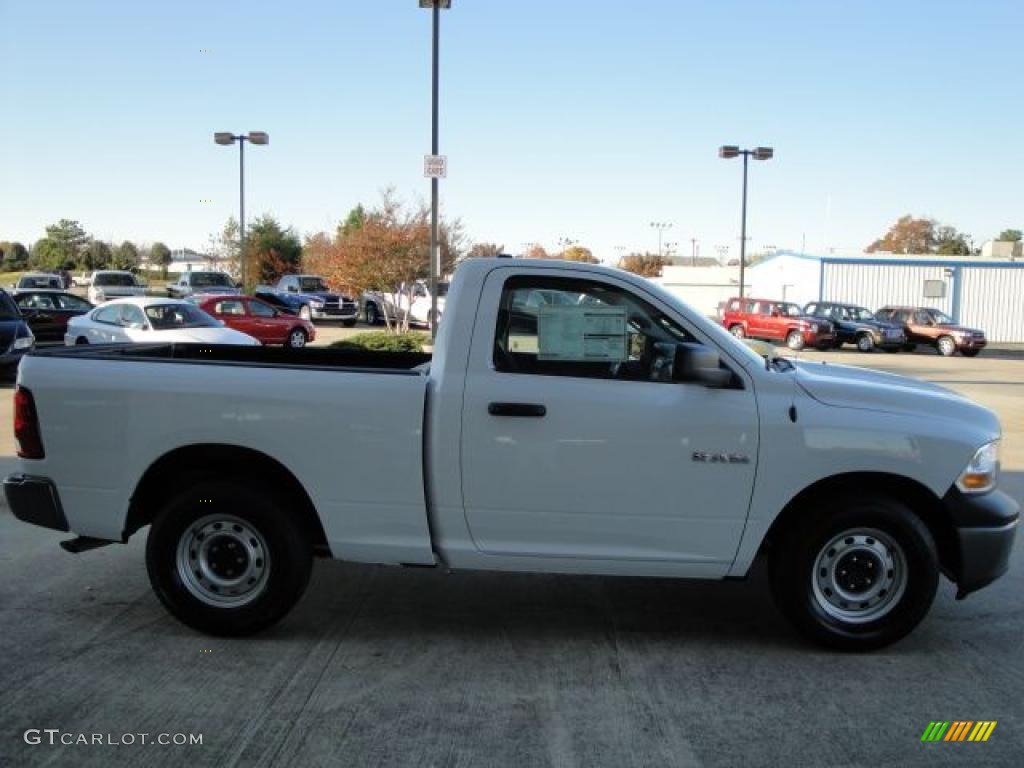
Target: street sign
435, 166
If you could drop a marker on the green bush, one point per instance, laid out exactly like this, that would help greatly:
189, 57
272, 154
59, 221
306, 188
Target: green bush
382, 341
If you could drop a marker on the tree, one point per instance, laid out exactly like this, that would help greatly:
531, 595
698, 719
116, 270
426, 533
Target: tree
484, 250
579, 253
355, 219
68, 240
907, 235
644, 264
387, 253
536, 251
97, 255
125, 256
46, 254
271, 250
949, 242
14, 255
1010, 236
160, 254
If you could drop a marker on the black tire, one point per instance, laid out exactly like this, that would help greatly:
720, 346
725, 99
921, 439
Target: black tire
908, 587
865, 343
80, 341
970, 352
348, 323
946, 346
297, 338
837, 344
278, 556
909, 347
795, 340
372, 315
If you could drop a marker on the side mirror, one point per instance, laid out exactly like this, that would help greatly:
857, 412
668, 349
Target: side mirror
697, 364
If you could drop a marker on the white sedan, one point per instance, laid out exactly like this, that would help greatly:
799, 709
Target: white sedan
128, 321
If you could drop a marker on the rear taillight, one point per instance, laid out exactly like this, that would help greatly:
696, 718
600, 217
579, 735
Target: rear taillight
26, 425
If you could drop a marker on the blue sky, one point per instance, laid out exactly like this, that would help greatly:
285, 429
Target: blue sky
571, 119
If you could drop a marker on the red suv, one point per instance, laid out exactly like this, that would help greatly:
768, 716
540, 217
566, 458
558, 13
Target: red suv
258, 319
776, 321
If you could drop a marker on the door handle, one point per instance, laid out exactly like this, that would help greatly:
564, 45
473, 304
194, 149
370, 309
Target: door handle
528, 410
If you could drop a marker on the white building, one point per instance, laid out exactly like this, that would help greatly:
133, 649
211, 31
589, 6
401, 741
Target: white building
981, 292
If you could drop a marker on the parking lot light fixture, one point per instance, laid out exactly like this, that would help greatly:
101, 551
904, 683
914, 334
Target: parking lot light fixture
727, 152
225, 138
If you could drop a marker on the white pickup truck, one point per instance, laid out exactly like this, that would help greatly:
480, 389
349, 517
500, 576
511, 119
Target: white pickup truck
572, 419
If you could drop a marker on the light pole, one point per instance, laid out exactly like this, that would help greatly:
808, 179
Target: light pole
225, 139
661, 226
728, 152
693, 250
435, 7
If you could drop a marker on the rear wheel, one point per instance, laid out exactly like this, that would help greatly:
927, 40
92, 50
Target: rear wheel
795, 340
738, 331
297, 338
859, 578
865, 343
228, 558
946, 346
80, 341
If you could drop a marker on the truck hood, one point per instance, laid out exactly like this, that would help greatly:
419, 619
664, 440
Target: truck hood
846, 386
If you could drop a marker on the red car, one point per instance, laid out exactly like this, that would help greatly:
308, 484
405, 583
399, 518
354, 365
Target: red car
259, 320
776, 321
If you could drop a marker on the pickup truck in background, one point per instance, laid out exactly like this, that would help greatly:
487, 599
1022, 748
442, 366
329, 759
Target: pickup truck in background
309, 297
202, 282
572, 419
416, 302
107, 284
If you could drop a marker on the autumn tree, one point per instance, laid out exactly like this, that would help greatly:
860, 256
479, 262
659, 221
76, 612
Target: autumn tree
483, 250
644, 264
907, 235
536, 251
579, 253
386, 254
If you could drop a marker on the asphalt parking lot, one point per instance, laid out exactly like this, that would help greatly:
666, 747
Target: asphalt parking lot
391, 667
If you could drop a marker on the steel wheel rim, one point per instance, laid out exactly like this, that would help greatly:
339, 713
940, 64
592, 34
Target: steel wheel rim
946, 346
794, 341
859, 576
864, 343
223, 561
737, 331
298, 339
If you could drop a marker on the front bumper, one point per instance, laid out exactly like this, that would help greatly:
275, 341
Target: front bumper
35, 500
347, 312
818, 338
986, 526
971, 343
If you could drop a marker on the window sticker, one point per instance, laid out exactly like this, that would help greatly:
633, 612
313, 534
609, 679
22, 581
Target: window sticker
582, 334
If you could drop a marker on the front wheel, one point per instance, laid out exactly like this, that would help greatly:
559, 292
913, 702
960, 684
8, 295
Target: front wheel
296, 339
970, 352
738, 331
305, 313
865, 343
372, 315
349, 323
795, 340
946, 346
859, 578
228, 558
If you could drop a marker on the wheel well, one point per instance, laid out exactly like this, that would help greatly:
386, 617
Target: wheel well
920, 499
193, 462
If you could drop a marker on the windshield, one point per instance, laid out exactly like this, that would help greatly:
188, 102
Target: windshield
164, 317
208, 279
312, 285
8, 311
941, 317
114, 278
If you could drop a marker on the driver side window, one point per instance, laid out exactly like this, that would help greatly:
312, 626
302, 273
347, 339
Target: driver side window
555, 326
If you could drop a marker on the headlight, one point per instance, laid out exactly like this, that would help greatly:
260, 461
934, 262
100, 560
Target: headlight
23, 342
316, 304
814, 327
981, 471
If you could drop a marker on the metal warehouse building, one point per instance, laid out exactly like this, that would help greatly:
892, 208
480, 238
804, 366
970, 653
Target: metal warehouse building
982, 293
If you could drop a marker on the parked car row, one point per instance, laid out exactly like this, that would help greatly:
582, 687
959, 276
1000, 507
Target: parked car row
830, 325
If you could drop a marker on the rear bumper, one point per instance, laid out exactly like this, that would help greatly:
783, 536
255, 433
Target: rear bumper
986, 527
35, 500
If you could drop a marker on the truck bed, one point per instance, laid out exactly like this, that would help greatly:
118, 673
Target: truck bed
317, 358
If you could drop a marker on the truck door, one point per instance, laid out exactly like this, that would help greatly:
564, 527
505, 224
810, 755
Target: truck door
570, 449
